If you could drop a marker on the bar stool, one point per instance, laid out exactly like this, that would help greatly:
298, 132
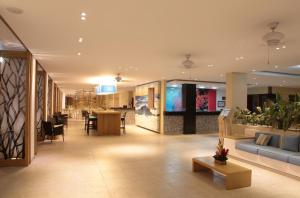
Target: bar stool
123, 121
90, 123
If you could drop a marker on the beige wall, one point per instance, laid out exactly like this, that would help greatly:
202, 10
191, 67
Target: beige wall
284, 92
258, 90
123, 97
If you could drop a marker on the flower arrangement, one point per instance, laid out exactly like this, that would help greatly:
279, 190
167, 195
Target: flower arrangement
221, 153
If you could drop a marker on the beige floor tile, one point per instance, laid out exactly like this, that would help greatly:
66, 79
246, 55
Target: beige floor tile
140, 164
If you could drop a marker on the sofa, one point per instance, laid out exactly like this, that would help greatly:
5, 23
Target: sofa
282, 153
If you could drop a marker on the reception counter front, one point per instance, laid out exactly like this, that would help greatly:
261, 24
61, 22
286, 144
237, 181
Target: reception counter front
206, 122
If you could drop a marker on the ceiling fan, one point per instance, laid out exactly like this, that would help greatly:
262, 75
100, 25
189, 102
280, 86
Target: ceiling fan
120, 79
273, 39
188, 64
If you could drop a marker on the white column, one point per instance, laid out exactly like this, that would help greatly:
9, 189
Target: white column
236, 90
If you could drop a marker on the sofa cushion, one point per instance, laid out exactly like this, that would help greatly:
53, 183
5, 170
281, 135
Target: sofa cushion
294, 159
275, 139
263, 139
275, 153
291, 143
250, 147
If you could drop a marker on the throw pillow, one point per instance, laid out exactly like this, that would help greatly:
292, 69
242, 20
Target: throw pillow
266, 139
259, 139
291, 143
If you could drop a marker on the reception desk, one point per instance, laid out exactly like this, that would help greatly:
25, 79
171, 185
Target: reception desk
108, 122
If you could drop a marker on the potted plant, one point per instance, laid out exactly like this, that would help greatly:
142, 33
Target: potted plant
221, 153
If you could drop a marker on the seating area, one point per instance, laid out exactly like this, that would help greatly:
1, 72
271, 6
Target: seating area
280, 153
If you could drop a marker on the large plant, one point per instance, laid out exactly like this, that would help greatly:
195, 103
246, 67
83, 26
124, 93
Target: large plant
279, 114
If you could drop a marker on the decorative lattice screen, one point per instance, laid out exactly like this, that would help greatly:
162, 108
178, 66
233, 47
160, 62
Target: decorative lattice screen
40, 80
49, 105
13, 85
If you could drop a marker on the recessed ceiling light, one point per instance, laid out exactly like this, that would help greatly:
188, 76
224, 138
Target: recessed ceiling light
211, 65
242, 57
1, 59
276, 66
80, 40
283, 46
83, 18
83, 14
277, 48
79, 54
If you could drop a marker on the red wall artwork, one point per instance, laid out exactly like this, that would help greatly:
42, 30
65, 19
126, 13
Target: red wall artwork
206, 99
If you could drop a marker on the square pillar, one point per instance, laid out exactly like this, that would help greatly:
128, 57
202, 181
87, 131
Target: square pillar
236, 90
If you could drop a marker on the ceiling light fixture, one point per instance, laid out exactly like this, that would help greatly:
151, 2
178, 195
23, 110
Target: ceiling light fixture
80, 40
79, 54
242, 57
273, 39
83, 16
211, 65
276, 66
283, 47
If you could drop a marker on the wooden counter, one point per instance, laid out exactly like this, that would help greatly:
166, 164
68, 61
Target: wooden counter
108, 122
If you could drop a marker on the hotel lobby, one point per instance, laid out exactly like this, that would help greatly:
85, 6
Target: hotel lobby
150, 99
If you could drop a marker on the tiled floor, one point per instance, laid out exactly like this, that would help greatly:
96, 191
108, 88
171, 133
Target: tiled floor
141, 164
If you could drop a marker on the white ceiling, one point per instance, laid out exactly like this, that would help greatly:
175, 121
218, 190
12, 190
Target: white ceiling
147, 40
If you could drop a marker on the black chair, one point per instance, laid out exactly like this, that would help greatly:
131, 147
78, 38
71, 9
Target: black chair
90, 123
84, 113
123, 120
51, 130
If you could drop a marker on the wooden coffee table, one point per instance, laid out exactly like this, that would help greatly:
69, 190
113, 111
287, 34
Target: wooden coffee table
235, 176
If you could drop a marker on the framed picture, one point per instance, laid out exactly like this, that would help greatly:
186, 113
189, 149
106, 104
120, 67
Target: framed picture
221, 103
